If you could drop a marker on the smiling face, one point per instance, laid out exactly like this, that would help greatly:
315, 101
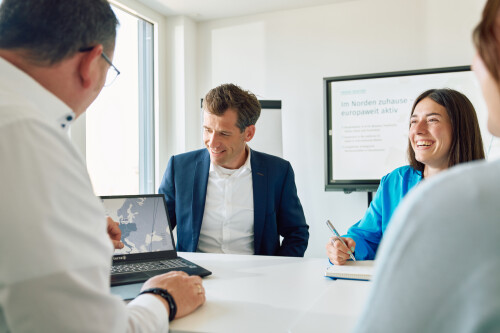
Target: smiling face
224, 140
431, 135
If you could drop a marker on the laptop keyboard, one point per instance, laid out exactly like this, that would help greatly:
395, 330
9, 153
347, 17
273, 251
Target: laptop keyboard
148, 266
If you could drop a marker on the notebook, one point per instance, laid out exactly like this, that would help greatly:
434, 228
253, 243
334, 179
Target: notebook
352, 270
147, 235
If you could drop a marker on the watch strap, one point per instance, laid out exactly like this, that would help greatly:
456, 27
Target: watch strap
167, 297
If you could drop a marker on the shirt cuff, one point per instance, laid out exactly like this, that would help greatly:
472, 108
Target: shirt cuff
153, 304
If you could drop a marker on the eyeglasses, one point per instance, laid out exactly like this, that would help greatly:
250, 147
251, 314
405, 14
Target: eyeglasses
113, 72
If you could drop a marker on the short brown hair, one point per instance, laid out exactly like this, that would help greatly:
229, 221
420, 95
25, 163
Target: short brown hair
486, 39
466, 142
230, 96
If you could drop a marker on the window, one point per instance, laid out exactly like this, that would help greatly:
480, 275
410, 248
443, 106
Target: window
120, 123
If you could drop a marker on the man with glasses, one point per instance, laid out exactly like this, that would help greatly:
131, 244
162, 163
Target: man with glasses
55, 254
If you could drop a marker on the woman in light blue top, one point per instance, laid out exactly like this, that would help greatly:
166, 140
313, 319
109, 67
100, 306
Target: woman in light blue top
444, 131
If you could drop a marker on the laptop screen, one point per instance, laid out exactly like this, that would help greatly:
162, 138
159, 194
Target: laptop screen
143, 223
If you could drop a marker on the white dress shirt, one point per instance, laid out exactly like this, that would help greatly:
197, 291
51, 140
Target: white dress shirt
55, 254
228, 219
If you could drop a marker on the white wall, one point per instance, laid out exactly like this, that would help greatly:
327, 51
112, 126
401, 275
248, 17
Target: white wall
285, 55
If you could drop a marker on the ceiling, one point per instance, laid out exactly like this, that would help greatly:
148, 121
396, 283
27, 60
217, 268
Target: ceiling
203, 10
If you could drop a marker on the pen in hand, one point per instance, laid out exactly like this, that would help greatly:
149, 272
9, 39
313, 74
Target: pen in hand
336, 235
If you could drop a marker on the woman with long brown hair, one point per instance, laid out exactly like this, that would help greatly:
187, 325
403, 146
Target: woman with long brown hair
444, 131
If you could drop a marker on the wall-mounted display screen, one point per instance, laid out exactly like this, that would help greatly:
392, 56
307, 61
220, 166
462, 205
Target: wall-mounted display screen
367, 121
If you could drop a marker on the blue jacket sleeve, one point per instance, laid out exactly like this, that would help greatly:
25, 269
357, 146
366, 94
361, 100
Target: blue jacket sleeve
291, 220
167, 188
367, 233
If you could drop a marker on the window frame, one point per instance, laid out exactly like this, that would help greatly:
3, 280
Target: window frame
149, 145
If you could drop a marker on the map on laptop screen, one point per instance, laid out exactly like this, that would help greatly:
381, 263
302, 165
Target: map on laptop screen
143, 223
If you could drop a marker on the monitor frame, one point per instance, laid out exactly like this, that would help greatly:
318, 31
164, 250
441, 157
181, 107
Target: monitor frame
362, 185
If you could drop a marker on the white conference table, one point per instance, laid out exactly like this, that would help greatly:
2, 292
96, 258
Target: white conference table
269, 294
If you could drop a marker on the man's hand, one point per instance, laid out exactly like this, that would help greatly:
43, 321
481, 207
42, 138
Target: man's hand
337, 252
115, 234
187, 291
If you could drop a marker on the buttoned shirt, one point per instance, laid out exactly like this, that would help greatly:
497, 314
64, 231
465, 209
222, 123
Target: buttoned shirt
55, 254
228, 219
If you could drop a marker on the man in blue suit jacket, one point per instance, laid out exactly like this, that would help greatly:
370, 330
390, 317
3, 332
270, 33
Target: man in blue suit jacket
230, 114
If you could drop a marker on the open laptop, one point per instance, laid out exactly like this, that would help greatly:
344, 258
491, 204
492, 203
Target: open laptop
147, 235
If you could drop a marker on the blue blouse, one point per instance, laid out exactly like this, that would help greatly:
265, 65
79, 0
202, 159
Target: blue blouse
367, 233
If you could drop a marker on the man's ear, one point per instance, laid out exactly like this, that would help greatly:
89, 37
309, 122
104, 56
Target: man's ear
249, 133
89, 68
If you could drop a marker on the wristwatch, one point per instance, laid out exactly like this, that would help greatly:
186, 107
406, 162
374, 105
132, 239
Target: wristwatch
167, 297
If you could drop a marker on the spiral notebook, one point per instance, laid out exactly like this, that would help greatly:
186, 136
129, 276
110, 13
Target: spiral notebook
352, 270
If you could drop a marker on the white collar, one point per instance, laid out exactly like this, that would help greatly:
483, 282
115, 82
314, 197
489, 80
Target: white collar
17, 82
221, 170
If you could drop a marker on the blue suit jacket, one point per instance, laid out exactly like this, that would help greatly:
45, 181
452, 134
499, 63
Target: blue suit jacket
277, 208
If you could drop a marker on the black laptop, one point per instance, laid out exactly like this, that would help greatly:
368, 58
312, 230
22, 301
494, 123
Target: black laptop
147, 235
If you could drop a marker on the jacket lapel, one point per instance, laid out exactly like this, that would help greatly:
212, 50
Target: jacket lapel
259, 180
200, 182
